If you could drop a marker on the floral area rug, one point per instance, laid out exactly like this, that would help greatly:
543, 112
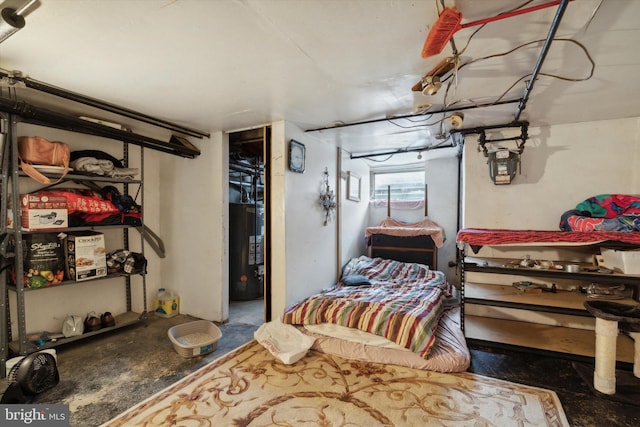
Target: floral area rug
249, 387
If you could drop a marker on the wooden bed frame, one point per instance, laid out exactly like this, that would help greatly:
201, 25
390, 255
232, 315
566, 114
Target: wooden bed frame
419, 249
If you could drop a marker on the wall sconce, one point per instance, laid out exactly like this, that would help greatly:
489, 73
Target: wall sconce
327, 198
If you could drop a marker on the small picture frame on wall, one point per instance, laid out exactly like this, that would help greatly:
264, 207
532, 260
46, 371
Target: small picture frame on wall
297, 154
353, 187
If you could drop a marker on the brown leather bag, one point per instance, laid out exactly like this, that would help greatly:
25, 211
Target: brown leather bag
34, 150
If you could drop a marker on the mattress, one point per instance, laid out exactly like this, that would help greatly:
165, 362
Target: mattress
449, 352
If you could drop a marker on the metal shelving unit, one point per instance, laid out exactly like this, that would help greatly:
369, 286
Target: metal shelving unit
500, 327
10, 236
26, 100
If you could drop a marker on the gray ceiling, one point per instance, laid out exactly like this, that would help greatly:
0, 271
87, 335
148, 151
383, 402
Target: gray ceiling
224, 65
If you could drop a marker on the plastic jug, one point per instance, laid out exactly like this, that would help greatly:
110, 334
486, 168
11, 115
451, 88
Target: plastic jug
167, 304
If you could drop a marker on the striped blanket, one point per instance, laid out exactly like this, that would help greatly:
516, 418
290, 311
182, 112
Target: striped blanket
403, 303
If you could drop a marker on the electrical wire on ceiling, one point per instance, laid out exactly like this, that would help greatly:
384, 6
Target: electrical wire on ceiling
453, 78
390, 120
571, 79
453, 83
421, 149
455, 52
457, 55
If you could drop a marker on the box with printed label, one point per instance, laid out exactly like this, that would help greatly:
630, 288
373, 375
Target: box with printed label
86, 256
43, 256
43, 212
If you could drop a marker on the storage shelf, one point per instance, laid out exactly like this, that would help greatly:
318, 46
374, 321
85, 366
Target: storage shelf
80, 228
122, 320
72, 282
562, 302
500, 315
71, 176
49, 115
497, 266
557, 339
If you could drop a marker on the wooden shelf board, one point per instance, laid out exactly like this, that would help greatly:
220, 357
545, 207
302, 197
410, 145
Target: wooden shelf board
509, 294
544, 337
122, 320
506, 266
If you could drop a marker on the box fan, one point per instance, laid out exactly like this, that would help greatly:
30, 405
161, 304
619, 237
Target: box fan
33, 374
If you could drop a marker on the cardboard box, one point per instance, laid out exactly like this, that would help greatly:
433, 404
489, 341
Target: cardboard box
43, 212
627, 262
86, 256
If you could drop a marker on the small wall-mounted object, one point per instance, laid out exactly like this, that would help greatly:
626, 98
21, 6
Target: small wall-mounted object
503, 162
354, 187
431, 85
327, 198
503, 165
297, 153
456, 120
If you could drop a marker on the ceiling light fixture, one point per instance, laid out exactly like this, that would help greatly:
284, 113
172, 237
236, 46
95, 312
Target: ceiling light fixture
442, 69
456, 120
12, 20
431, 85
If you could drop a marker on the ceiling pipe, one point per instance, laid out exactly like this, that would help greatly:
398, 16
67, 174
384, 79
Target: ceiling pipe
405, 116
401, 151
44, 117
16, 76
543, 54
480, 129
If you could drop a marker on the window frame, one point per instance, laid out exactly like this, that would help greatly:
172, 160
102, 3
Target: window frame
400, 170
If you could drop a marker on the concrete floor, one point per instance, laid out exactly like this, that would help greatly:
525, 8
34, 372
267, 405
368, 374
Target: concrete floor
104, 375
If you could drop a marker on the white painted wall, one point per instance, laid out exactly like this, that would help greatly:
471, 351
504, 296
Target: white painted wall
354, 216
194, 214
561, 166
442, 178
309, 246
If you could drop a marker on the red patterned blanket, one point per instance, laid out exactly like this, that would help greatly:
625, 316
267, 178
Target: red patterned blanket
493, 237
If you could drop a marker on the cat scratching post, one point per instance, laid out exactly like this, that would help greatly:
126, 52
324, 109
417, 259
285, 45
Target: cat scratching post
604, 376
609, 317
636, 354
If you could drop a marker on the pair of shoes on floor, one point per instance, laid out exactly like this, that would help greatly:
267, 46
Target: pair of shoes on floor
93, 323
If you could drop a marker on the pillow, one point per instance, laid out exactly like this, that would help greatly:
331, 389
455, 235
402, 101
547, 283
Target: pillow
283, 341
355, 280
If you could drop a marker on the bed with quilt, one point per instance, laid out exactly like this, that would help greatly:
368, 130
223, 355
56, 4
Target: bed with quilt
387, 311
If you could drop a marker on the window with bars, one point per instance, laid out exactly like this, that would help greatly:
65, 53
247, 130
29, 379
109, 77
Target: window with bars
404, 186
